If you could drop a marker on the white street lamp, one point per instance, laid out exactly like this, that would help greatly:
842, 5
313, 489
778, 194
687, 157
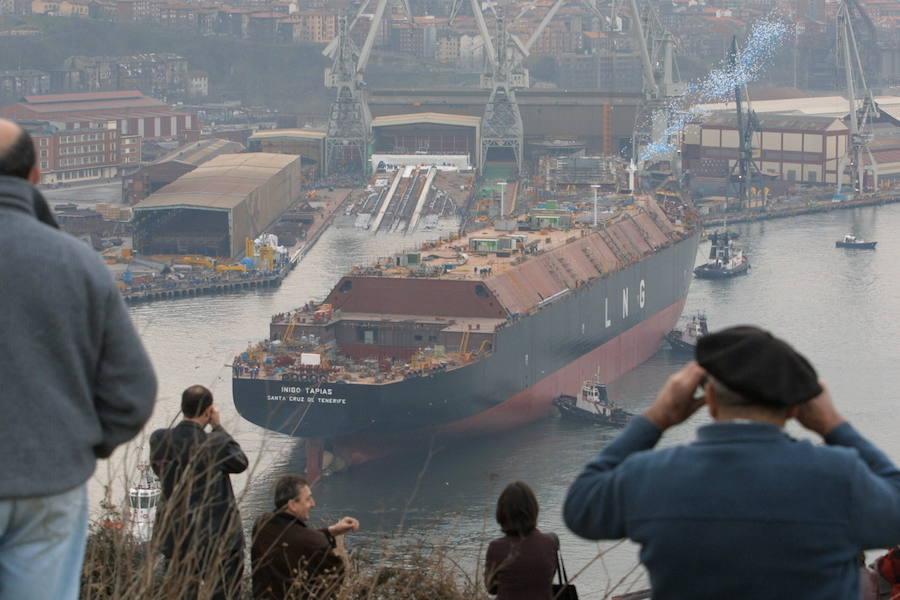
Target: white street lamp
595, 186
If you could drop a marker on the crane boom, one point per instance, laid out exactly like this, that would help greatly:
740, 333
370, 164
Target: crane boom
370, 38
651, 90
485, 34
543, 24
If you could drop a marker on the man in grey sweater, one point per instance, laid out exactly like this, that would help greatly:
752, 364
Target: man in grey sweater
75, 382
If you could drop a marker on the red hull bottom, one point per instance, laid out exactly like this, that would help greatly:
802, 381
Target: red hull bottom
614, 358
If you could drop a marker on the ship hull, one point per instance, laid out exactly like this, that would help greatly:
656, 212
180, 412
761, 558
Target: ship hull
604, 328
856, 245
705, 272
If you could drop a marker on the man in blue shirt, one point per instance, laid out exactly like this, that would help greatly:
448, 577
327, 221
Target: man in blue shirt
744, 511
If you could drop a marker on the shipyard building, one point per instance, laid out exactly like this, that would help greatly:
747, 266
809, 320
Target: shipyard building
802, 140
214, 208
428, 138
160, 173
308, 144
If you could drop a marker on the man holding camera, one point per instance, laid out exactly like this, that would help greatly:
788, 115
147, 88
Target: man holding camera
745, 511
199, 523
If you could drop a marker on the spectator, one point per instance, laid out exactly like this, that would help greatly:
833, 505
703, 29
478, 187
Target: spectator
520, 565
745, 511
887, 569
199, 524
75, 382
290, 560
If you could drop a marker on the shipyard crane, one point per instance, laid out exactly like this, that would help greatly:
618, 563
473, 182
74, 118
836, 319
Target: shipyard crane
656, 47
745, 170
505, 53
862, 110
349, 118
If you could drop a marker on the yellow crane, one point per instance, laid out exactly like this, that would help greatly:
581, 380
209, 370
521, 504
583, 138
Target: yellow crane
197, 260
241, 268
464, 341
289, 332
267, 258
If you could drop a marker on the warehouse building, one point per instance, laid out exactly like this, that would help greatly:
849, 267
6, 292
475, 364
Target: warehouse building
792, 148
427, 138
168, 168
215, 207
308, 144
135, 113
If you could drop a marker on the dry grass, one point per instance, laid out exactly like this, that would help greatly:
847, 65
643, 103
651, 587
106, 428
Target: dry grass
118, 566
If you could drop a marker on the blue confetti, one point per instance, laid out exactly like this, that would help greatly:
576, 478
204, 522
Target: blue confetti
765, 40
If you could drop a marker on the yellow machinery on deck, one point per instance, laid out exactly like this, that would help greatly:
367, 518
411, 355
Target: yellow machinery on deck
265, 255
289, 332
464, 341
202, 261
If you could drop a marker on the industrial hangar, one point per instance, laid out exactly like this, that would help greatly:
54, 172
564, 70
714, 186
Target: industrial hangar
308, 144
212, 209
422, 138
168, 168
602, 119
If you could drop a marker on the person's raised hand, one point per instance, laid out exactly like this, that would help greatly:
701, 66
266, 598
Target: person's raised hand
343, 526
819, 414
214, 418
675, 401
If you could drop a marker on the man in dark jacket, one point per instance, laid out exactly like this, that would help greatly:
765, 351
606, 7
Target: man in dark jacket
199, 526
75, 382
290, 560
745, 511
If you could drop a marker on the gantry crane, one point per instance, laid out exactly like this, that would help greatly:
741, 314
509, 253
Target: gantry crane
656, 46
349, 118
862, 110
745, 170
501, 125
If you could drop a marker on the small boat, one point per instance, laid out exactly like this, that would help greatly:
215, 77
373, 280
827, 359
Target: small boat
725, 260
592, 405
143, 500
686, 339
851, 241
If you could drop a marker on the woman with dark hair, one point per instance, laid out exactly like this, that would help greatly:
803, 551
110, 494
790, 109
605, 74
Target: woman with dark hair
521, 564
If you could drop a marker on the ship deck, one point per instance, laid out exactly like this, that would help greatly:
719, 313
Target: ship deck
477, 265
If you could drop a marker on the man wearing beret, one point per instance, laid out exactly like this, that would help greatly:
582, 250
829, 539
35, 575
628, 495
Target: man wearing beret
744, 511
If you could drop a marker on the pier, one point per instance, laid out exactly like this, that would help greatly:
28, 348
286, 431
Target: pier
219, 284
784, 211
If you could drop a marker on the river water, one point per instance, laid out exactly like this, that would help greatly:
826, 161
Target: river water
839, 307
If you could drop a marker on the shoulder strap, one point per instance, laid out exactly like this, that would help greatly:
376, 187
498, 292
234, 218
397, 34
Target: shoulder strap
562, 576
561, 568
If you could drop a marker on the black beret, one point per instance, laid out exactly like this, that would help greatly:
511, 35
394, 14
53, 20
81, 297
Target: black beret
758, 366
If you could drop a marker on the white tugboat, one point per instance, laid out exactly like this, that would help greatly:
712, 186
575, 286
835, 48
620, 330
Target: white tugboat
592, 405
725, 260
685, 340
143, 500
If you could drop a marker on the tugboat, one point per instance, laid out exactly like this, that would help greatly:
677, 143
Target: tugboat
725, 260
143, 499
592, 405
851, 241
686, 340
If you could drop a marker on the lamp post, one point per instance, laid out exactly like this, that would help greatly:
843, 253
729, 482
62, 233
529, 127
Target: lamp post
502, 185
595, 186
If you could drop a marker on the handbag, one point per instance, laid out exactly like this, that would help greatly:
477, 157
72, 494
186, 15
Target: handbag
563, 590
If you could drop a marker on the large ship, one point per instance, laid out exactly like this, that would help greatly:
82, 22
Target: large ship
472, 336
